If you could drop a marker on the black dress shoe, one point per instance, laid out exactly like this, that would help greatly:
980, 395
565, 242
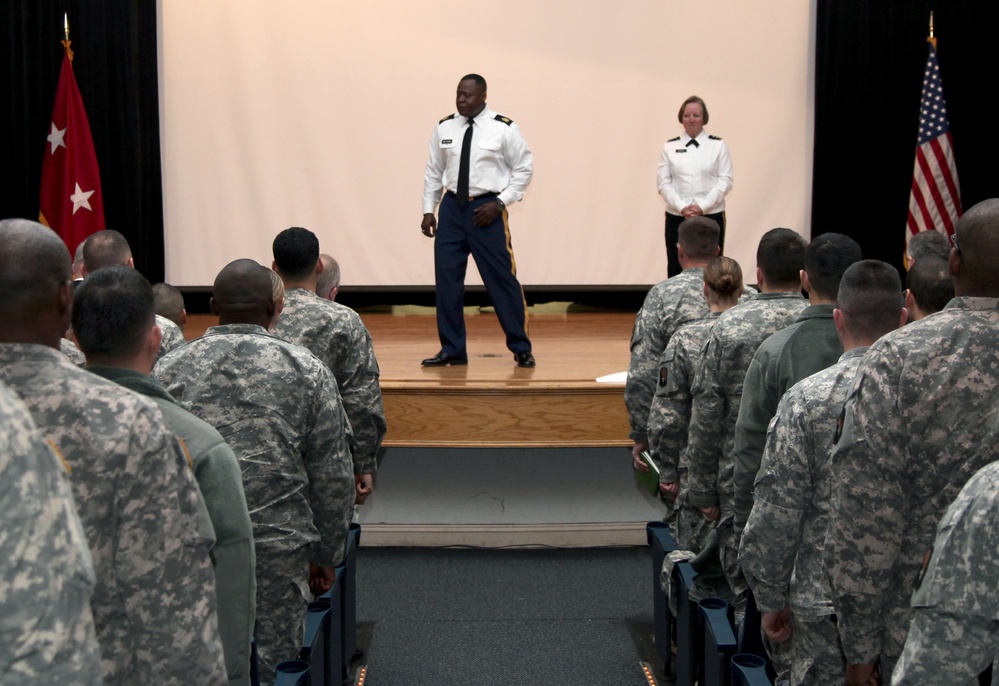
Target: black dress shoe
524, 359
443, 360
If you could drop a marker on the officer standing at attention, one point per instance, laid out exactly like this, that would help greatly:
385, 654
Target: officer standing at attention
483, 163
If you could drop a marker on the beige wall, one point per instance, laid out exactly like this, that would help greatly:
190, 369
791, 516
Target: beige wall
318, 113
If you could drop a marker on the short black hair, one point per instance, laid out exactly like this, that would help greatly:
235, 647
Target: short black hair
105, 248
929, 244
296, 252
781, 256
34, 264
699, 237
479, 81
113, 312
870, 295
826, 258
169, 302
930, 283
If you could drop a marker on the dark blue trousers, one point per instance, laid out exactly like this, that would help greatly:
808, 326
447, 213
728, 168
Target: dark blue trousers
457, 237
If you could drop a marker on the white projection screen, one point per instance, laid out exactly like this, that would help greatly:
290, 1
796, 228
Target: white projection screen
318, 113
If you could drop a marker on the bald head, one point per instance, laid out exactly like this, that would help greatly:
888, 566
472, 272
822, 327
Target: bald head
328, 282
243, 294
975, 264
106, 249
35, 290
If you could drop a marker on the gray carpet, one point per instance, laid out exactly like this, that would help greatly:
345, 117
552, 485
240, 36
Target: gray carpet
576, 617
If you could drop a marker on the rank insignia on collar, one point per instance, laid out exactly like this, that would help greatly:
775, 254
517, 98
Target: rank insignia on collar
673, 139
450, 116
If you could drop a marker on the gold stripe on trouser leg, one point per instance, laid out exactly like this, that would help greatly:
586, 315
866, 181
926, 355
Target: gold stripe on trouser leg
513, 267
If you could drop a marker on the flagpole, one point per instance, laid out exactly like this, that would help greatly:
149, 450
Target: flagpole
66, 42
932, 40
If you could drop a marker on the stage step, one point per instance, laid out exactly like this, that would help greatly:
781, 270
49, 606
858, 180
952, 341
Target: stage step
512, 413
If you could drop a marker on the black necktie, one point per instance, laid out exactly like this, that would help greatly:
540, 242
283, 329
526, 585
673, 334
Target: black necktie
466, 153
692, 141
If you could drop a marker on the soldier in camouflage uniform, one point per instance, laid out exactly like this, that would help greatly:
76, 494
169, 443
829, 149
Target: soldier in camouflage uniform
277, 406
107, 248
668, 306
717, 385
781, 547
154, 602
113, 321
952, 638
925, 401
46, 576
808, 346
669, 417
337, 336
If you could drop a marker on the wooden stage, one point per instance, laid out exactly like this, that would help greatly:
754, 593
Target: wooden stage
491, 402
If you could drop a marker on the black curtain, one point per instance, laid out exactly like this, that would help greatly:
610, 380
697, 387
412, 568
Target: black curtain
870, 58
114, 42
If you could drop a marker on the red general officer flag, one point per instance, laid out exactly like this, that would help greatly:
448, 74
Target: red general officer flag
71, 202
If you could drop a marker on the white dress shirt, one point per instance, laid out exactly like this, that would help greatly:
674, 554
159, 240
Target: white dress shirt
500, 161
695, 175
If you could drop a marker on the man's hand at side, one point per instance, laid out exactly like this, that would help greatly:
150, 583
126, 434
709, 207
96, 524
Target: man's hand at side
429, 225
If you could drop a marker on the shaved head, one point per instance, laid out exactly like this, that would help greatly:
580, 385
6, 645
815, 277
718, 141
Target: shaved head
105, 249
976, 271
35, 269
243, 294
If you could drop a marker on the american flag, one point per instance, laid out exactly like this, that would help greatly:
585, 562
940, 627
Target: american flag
935, 200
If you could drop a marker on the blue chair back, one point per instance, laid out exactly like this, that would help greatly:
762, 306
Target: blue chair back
688, 638
662, 543
292, 673
719, 641
749, 670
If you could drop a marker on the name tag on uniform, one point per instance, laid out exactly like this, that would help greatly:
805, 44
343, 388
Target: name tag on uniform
679, 150
447, 141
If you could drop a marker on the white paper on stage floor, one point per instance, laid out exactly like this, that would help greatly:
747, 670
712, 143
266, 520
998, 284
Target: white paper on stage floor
616, 377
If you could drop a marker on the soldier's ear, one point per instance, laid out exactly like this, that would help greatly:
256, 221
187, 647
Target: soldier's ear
214, 307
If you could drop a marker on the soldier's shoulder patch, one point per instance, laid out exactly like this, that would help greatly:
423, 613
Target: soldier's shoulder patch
714, 138
505, 120
663, 376
450, 116
673, 140
839, 425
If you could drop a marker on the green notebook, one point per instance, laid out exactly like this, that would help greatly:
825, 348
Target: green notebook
648, 481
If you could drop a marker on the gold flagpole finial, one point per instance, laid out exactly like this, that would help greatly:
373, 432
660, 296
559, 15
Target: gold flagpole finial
66, 42
932, 39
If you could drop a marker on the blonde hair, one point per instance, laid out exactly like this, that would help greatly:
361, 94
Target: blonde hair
724, 278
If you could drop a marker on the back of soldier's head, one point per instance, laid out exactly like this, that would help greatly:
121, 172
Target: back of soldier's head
928, 244
870, 295
699, 237
104, 249
113, 311
169, 302
330, 276
723, 275
34, 264
296, 252
977, 235
930, 283
826, 258
243, 292
781, 257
